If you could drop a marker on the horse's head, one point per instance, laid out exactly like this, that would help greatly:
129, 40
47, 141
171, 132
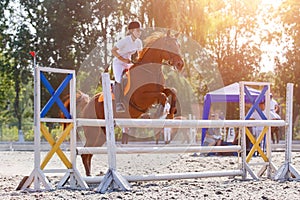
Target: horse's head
167, 48
170, 50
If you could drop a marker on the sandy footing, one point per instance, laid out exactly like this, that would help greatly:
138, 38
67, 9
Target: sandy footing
15, 165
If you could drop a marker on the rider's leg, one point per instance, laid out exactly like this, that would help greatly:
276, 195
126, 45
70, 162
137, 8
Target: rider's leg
120, 107
118, 92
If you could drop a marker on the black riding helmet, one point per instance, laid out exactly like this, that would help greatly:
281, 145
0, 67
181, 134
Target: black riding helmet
134, 25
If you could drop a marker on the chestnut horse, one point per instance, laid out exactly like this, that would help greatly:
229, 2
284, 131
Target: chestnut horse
82, 100
147, 87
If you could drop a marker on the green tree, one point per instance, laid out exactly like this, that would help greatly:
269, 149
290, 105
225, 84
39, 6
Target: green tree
15, 69
288, 69
4, 81
225, 39
75, 34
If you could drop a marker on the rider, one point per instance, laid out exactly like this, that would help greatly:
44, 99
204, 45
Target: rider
122, 51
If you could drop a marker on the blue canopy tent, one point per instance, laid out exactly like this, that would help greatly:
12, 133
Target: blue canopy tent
229, 93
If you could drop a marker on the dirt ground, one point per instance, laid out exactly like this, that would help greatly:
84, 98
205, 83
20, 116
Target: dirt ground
17, 164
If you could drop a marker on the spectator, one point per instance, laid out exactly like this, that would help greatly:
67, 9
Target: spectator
167, 135
213, 136
274, 109
256, 116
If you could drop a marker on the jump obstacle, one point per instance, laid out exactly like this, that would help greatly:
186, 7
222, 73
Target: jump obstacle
37, 176
287, 171
113, 179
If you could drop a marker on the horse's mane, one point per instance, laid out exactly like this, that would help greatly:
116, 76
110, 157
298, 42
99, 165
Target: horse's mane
149, 42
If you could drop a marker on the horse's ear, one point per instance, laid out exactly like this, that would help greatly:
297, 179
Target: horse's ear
176, 35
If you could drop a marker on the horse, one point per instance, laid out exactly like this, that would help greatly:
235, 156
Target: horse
147, 87
82, 100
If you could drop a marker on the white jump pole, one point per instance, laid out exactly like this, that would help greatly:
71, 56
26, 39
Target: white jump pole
158, 123
37, 176
171, 176
245, 165
112, 179
175, 123
73, 174
159, 150
286, 171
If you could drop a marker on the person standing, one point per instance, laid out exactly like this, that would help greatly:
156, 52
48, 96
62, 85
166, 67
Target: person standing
167, 135
274, 109
275, 131
256, 116
122, 52
167, 130
256, 131
125, 132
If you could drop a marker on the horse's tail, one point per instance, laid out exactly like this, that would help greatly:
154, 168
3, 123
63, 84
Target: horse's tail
66, 101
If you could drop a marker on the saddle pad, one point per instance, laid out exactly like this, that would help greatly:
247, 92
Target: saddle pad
101, 97
127, 86
126, 89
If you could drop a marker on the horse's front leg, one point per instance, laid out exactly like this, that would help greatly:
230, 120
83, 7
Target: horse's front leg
171, 92
151, 98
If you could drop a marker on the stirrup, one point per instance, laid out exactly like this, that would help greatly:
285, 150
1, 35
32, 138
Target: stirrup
120, 107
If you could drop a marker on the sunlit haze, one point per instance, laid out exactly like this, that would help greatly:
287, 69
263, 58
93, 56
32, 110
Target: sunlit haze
271, 50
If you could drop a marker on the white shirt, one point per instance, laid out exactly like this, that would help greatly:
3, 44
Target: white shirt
256, 116
258, 129
127, 47
273, 104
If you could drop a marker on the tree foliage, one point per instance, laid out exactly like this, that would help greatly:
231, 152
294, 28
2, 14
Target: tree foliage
225, 39
67, 31
288, 64
16, 72
222, 42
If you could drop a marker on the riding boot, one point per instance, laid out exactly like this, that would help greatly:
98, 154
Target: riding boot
120, 107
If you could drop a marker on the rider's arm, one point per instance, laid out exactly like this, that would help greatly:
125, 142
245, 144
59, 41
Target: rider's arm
115, 53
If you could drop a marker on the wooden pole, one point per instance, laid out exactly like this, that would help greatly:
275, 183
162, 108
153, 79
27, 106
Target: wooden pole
287, 171
112, 179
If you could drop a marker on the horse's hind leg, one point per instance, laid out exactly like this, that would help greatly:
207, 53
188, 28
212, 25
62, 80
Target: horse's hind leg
87, 159
277, 135
157, 136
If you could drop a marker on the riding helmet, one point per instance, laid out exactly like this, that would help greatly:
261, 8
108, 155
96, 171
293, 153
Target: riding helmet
134, 25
